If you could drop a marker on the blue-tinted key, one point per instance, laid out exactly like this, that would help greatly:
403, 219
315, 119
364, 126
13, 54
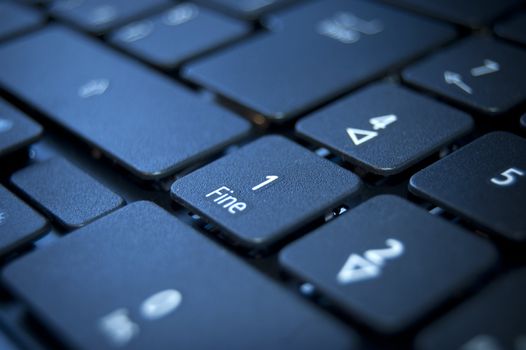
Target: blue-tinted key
16, 18
321, 50
178, 34
16, 129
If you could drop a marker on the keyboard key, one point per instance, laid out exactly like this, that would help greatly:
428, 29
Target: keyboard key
388, 262
19, 224
471, 13
493, 319
249, 9
108, 296
273, 74
15, 18
16, 130
69, 195
146, 123
385, 128
478, 72
265, 190
99, 16
514, 28
178, 34
484, 182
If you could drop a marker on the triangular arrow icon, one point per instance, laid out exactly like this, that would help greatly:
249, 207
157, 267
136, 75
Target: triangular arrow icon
359, 136
357, 268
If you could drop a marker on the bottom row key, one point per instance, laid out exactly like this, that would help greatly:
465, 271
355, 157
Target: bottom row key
388, 263
493, 320
140, 279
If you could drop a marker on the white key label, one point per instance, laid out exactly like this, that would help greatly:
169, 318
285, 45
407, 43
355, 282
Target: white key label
94, 87
5, 125
358, 268
270, 178
223, 197
508, 177
359, 136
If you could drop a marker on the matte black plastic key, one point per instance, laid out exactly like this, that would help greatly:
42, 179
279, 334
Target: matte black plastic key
178, 34
265, 190
145, 122
388, 263
98, 16
514, 28
471, 13
479, 72
492, 319
248, 9
16, 129
322, 50
484, 182
385, 128
69, 195
19, 224
16, 18
141, 279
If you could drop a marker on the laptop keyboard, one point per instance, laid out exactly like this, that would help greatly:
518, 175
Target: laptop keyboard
266, 174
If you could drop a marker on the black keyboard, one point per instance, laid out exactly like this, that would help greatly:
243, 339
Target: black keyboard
263, 174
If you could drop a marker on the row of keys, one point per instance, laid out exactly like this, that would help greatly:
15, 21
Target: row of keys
107, 296
337, 44
105, 99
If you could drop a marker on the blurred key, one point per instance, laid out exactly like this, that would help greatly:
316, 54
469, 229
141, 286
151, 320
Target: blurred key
324, 49
388, 263
513, 29
385, 128
494, 319
479, 72
145, 122
484, 182
265, 190
141, 279
69, 195
472, 13
19, 223
16, 18
249, 9
99, 16
16, 129
178, 34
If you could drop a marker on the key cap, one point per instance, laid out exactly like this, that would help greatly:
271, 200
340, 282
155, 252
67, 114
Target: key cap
197, 287
16, 18
265, 190
471, 13
273, 74
493, 319
513, 29
16, 130
149, 125
384, 128
178, 34
69, 195
478, 72
248, 9
388, 262
19, 224
484, 182
99, 16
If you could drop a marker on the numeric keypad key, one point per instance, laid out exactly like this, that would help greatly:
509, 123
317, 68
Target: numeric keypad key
388, 263
384, 128
479, 72
265, 190
484, 182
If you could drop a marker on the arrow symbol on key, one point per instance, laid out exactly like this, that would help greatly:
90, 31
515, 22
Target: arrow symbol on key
456, 79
